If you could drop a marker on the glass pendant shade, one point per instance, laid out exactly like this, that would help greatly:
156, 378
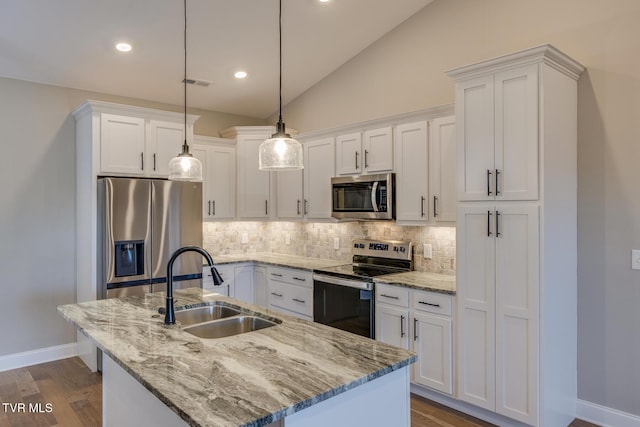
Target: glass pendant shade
185, 167
280, 153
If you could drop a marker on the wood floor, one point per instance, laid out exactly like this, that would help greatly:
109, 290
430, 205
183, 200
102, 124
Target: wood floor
65, 393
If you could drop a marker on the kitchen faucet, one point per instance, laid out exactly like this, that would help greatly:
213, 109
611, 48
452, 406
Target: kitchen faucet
170, 317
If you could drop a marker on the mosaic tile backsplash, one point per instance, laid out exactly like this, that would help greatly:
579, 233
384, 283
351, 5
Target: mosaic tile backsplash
316, 240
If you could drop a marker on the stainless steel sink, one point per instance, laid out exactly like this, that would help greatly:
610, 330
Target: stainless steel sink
207, 313
229, 326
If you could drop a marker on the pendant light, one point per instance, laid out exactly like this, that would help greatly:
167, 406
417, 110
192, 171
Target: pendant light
185, 167
280, 152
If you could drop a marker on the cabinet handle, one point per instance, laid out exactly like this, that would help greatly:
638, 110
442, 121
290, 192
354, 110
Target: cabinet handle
154, 161
488, 223
429, 304
276, 274
142, 161
401, 326
497, 190
299, 300
435, 206
302, 279
389, 296
298, 207
306, 202
415, 329
209, 207
498, 223
366, 162
357, 160
488, 182
266, 207
422, 206
213, 204
276, 294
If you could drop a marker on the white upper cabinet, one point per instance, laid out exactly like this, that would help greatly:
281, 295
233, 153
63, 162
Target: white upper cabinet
255, 187
498, 135
377, 147
122, 144
348, 154
412, 173
319, 167
442, 170
137, 143
164, 143
290, 201
365, 153
218, 157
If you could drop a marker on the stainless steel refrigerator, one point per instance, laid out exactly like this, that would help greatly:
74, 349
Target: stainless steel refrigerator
141, 223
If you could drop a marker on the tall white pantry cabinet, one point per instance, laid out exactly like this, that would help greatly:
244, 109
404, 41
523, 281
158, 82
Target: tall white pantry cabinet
516, 239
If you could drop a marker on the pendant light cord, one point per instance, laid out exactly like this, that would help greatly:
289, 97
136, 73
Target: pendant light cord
280, 54
185, 73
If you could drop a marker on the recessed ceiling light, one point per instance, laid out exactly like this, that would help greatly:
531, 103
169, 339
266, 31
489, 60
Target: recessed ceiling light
324, 1
240, 74
123, 47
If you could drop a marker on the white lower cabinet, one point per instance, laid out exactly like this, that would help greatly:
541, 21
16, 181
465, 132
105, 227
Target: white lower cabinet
290, 291
419, 321
260, 285
243, 286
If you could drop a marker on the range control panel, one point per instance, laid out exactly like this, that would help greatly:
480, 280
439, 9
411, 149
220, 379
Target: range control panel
396, 249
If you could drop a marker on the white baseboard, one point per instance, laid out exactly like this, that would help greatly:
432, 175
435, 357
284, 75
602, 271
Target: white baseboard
34, 357
604, 416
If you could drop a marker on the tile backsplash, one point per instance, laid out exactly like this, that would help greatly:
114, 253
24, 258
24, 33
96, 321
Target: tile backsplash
316, 240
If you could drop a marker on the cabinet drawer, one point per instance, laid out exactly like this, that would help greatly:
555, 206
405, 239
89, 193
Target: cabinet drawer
291, 276
295, 298
432, 302
394, 295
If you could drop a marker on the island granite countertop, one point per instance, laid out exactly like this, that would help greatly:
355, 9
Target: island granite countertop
243, 380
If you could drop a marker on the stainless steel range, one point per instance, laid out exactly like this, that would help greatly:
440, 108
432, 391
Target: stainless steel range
343, 296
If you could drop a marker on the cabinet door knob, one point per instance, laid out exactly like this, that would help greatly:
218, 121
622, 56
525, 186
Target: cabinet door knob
488, 223
213, 205
209, 207
366, 155
357, 160
497, 175
154, 161
488, 182
415, 329
401, 326
142, 161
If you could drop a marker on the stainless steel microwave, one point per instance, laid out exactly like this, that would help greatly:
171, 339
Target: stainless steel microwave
366, 197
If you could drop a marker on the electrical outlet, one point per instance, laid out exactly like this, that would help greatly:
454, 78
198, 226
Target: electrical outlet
245, 238
336, 243
635, 259
287, 239
427, 251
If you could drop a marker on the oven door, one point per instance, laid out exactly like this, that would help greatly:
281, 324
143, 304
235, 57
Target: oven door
344, 304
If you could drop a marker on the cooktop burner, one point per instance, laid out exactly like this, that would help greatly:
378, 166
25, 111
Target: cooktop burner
373, 258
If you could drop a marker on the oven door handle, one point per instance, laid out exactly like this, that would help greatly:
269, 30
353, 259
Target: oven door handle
358, 284
374, 192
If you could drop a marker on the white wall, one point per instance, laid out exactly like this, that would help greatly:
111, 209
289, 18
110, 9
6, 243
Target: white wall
37, 207
405, 71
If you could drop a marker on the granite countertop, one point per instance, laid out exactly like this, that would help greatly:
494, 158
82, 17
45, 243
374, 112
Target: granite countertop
281, 260
421, 280
433, 282
243, 380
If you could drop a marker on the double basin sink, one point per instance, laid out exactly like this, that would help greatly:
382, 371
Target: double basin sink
216, 320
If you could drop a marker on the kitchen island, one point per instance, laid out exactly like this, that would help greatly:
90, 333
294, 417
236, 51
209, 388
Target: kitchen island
296, 373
